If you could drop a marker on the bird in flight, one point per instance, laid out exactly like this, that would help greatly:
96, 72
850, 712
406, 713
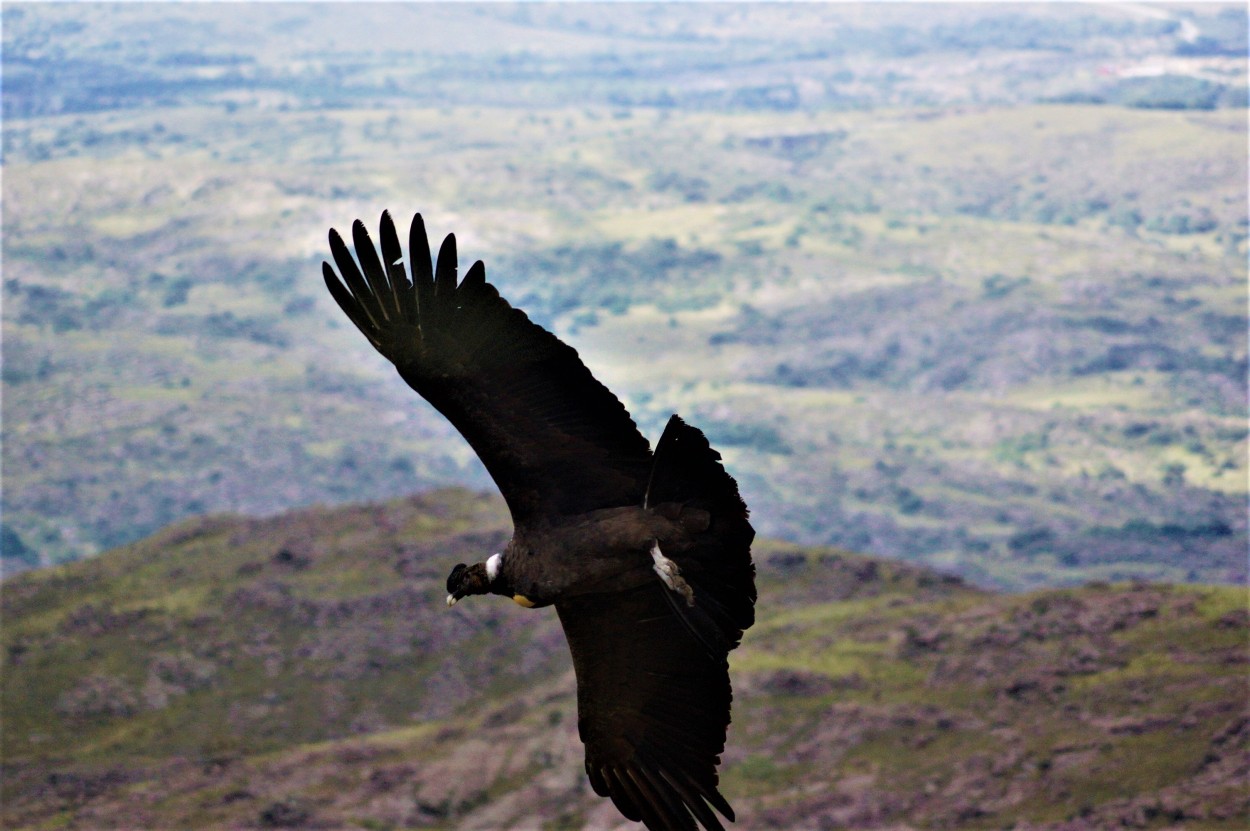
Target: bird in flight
646, 555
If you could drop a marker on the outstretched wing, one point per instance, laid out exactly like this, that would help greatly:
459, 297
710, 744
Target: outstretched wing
652, 708
554, 439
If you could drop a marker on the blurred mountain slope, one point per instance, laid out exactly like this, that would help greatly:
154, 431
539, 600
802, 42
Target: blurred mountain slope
303, 671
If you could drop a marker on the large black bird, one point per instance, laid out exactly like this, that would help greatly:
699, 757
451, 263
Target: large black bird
645, 555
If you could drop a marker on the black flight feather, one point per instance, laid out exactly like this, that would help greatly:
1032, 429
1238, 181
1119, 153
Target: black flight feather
555, 440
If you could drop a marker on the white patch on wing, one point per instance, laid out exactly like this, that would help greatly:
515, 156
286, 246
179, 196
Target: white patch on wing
671, 574
492, 565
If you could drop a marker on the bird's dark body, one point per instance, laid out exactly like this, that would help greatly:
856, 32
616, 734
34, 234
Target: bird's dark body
596, 552
646, 555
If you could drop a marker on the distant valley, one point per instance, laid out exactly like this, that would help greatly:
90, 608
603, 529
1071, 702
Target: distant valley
962, 285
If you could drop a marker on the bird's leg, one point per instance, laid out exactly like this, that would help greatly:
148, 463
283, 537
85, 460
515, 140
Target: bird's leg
671, 574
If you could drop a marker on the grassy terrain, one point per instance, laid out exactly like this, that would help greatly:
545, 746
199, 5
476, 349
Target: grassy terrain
303, 671
952, 299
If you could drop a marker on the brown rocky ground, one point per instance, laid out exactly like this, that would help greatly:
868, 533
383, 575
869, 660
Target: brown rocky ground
302, 672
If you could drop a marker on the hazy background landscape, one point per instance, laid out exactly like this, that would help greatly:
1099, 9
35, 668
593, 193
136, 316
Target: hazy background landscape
962, 286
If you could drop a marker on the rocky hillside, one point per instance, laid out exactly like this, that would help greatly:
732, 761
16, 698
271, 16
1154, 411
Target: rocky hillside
302, 671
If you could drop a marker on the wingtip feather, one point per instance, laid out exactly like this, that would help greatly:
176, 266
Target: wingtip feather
475, 277
445, 270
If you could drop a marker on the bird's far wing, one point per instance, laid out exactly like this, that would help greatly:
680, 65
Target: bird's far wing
554, 439
652, 708
715, 562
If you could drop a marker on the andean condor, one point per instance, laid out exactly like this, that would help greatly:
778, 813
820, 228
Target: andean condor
645, 555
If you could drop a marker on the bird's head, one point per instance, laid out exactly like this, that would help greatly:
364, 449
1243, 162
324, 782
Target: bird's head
478, 578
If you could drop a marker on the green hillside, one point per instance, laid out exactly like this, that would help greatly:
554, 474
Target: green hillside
303, 671
960, 284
